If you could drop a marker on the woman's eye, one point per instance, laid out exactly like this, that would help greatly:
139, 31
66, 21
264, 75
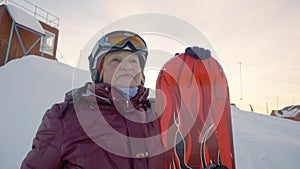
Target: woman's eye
115, 60
133, 61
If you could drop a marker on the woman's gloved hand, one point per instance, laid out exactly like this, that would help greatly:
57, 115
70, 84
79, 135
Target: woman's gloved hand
198, 53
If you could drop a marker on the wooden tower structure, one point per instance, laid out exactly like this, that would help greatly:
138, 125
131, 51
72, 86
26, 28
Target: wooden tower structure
26, 30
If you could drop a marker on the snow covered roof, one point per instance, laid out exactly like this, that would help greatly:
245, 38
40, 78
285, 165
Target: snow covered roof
23, 18
290, 111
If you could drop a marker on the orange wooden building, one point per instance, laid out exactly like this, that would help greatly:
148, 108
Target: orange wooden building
21, 33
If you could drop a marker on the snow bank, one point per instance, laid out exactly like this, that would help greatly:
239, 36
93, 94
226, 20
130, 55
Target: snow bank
265, 141
28, 87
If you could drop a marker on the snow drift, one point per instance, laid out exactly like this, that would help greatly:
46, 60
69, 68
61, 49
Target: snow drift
31, 85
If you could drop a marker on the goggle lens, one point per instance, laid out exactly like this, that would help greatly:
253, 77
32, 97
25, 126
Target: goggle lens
119, 38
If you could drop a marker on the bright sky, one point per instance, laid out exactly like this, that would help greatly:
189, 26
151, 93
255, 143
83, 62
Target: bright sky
263, 36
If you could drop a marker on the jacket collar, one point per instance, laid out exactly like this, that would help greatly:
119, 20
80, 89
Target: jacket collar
105, 93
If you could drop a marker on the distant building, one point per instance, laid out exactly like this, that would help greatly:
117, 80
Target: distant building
25, 31
289, 112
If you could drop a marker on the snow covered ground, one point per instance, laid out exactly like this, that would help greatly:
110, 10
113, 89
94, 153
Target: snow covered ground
32, 84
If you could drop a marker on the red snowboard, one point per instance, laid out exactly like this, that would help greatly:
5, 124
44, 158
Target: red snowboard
192, 94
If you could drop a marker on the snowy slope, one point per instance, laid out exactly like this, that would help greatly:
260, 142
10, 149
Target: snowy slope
265, 141
32, 84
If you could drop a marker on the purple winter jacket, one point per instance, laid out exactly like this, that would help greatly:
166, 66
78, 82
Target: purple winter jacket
102, 130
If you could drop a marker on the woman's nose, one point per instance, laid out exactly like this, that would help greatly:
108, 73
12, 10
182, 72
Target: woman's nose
125, 64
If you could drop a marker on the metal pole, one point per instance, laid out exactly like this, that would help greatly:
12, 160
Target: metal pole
43, 42
267, 107
47, 18
35, 11
20, 39
32, 46
277, 102
293, 100
241, 86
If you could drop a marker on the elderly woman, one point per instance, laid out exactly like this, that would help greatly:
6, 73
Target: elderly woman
110, 123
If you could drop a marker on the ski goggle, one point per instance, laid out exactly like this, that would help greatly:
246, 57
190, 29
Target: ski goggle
120, 40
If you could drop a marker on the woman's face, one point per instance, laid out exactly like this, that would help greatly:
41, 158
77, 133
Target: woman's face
122, 69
